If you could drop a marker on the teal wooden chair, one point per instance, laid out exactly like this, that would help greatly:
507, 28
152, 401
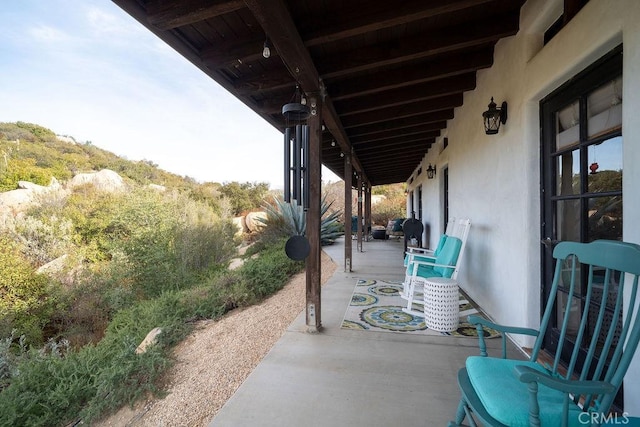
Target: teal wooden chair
429, 255
445, 265
505, 392
426, 258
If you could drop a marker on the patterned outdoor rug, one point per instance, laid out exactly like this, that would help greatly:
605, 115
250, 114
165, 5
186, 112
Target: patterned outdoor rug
376, 305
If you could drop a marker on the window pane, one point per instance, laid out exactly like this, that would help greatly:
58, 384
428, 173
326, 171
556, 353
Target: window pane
604, 106
574, 313
568, 220
605, 218
568, 273
605, 164
567, 126
568, 167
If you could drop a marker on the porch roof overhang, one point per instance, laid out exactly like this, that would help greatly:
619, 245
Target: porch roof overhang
391, 74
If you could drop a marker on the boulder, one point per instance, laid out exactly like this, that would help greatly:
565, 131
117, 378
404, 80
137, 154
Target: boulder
53, 267
150, 339
253, 224
14, 202
235, 263
27, 185
105, 180
160, 188
241, 225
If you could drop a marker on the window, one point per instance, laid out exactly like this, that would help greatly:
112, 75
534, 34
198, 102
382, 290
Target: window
582, 170
420, 202
571, 8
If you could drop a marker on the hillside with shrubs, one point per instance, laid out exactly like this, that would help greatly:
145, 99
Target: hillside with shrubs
86, 272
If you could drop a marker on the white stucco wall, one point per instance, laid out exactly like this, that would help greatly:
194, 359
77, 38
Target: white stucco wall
495, 180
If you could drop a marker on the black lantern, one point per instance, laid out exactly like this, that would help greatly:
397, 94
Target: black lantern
431, 171
493, 117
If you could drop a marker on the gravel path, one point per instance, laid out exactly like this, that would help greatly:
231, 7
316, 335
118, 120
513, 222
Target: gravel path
212, 362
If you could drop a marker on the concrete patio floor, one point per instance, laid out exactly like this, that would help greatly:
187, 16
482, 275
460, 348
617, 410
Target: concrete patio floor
343, 377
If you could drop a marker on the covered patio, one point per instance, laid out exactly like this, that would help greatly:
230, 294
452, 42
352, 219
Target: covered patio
397, 94
345, 377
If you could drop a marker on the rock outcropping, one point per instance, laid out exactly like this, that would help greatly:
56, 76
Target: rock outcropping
28, 194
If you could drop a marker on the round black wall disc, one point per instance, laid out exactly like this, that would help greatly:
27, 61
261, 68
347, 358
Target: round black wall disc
297, 248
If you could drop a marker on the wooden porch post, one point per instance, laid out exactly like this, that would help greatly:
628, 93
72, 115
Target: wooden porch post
367, 210
313, 261
359, 212
348, 183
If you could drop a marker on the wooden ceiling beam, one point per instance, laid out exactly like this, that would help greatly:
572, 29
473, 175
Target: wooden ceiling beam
389, 137
421, 46
391, 166
399, 112
340, 89
381, 16
438, 68
401, 170
410, 146
416, 143
168, 15
275, 19
230, 53
408, 95
399, 125
270, 80
227, 54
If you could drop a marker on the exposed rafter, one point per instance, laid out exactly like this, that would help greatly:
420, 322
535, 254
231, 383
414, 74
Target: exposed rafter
274, 17
391, 74
167, 15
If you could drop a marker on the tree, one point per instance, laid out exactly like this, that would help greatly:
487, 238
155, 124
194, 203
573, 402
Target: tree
246, 196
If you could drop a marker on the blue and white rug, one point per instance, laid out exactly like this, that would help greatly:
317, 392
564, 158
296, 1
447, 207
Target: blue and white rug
376, 305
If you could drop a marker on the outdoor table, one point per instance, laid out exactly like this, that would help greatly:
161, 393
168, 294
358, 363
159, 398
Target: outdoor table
441, 304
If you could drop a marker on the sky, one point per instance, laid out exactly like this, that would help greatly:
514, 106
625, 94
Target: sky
87, 69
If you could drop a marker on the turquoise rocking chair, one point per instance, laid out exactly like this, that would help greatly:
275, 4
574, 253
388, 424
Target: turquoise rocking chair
589, 283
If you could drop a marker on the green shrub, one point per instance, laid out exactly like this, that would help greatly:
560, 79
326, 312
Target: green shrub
170, 240
268, 272
9, 357
22, 170
55, 389
45, 238
60, 387
24, 301
393, 205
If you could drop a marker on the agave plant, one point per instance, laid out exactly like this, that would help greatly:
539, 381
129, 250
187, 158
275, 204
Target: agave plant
288, 219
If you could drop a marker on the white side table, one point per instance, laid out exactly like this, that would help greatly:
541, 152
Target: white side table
441, 304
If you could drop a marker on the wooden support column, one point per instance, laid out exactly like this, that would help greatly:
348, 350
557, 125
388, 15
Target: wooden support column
348, 209
367, 211
359, 212
314, 323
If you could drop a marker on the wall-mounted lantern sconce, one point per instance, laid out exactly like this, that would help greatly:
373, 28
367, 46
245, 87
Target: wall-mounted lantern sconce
493, 117
431, 171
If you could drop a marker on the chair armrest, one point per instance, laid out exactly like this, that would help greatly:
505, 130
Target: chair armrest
419, 251
528, 375
411, 258
432, 264
481, 321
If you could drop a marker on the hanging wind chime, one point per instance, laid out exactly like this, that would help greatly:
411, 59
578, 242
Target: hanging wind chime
296, 151
296, 166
